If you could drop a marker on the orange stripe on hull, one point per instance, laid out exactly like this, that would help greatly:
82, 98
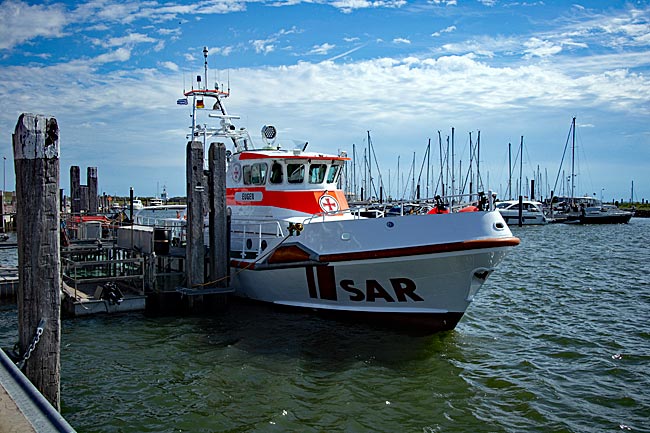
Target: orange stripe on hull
300, 201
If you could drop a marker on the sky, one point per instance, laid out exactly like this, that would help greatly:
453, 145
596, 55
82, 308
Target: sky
327, 72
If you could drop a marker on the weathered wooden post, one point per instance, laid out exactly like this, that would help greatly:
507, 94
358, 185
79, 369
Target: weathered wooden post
36, 158
532, 189
84, 198
195, 249
75, 190
131, 203
219, 250
61, 200
93, 206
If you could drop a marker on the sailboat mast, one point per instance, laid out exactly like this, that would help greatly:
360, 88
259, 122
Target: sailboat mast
509, 171
428, 165
354, 171
573, 154
521, 163
442, 178
471, 174
453, 173
369, 186
478, 162
413, 197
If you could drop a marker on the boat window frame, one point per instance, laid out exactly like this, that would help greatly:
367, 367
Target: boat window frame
317, 172
292, 168
249, 176
337, 172
277, 169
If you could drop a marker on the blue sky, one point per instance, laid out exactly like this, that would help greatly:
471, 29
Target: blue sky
328, 71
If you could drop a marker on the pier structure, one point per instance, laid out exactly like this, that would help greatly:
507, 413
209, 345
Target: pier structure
112, 266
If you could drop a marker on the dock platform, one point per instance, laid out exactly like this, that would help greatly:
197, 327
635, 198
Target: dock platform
22, 408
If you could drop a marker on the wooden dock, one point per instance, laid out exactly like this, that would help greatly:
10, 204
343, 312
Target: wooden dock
22, 407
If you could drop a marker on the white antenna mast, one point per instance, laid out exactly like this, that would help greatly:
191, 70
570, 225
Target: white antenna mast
205, 65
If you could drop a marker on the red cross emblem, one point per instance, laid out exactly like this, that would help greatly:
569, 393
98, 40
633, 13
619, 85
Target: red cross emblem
236, 172
328, 203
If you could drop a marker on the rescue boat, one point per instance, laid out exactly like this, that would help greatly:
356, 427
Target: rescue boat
296, 242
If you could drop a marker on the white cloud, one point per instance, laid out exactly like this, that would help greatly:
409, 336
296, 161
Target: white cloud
225, 51
540, 48
348, 6
443, 2
263, 46
119, 55
268, 45
129, 40
21, 22
401, 41
169, 65
445, 30
322, 49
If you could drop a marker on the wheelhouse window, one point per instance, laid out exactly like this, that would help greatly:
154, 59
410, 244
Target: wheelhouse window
295, 173
276, 173
333, 174
255, 174
317, 173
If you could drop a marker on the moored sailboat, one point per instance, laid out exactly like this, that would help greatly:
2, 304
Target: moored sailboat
585, 209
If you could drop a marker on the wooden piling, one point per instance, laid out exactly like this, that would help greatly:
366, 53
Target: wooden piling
521, 211
36, 159
84, 198
131, 204
532, 189
93, 206
219, 250
195, 249
75, 190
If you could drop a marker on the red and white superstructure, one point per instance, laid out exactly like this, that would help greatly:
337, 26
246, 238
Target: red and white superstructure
295, 241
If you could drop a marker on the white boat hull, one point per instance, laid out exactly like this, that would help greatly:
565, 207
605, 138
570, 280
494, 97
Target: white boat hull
363, 267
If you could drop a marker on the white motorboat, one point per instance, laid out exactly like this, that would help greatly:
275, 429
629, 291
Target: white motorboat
589, 210
532, 212
295, 241
137, 204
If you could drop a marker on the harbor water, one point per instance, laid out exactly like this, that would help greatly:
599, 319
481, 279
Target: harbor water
556, 341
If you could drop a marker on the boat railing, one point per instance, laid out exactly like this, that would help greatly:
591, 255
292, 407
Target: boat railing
87, 272
456, 202
249, 238
176, 226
